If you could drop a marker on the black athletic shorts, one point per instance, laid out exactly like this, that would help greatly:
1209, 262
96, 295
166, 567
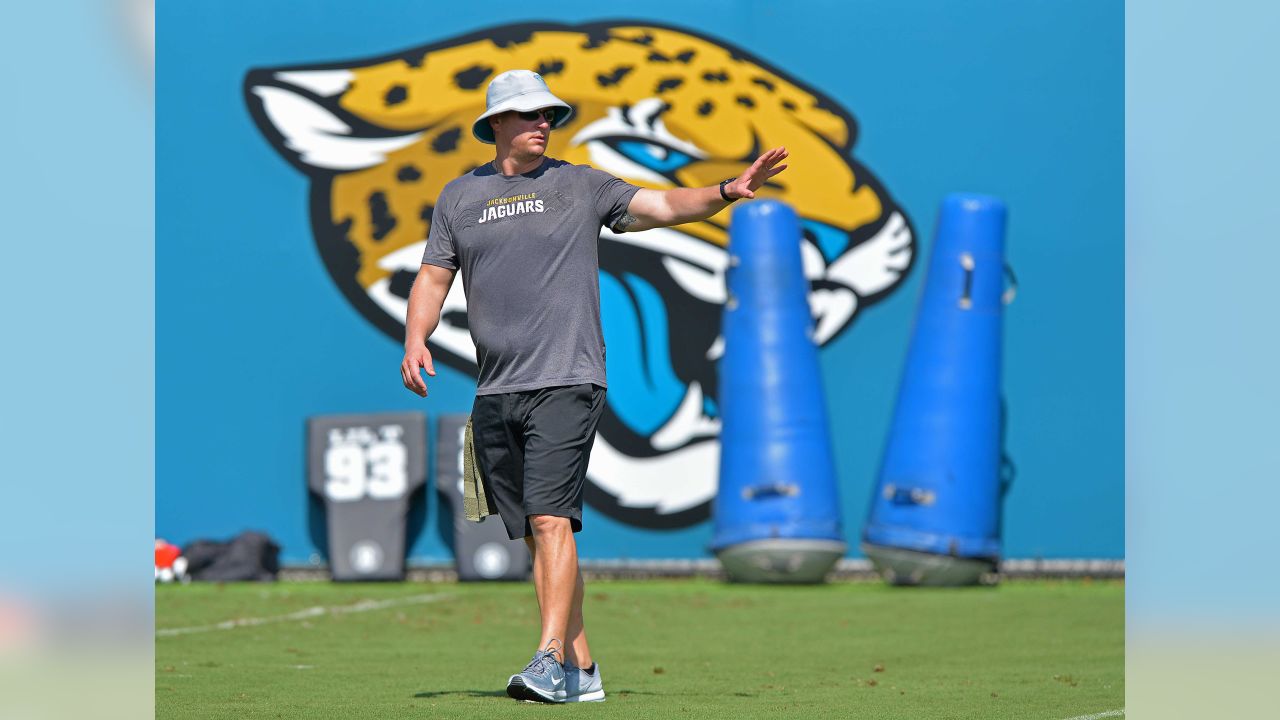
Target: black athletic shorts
533, 447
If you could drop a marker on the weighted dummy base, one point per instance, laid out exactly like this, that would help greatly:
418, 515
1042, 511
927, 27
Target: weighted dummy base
908, 567
781, 560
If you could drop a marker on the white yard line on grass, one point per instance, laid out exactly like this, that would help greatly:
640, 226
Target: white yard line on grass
1099, 716
311, 612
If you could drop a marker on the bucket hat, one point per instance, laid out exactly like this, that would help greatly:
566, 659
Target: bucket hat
522, 91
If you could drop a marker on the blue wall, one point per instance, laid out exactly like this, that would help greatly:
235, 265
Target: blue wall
1019, 100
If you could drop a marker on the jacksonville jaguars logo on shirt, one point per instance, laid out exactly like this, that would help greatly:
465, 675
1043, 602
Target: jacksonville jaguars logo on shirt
505, 207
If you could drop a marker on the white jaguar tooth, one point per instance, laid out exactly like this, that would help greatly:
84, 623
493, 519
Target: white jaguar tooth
876, 263
815, 266
717, 349
687, 423
831, 308
666, 241
455, 339
666, 483
408, 257
707, 286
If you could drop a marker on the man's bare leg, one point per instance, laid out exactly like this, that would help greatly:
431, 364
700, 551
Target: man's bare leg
558, 584
579, 653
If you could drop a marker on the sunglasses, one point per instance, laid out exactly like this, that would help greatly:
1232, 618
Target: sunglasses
548, 113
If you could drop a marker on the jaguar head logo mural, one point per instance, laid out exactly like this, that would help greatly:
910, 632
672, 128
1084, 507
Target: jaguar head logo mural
657, 106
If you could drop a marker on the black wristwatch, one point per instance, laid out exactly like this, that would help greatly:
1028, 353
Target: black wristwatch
722, 193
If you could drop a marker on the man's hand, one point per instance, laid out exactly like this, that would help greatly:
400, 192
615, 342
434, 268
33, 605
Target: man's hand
765, 167
425, 300
415, 358
664, 208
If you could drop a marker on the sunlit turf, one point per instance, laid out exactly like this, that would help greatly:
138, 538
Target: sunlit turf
667, 648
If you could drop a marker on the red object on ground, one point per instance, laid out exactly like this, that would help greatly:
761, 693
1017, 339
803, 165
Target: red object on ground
166, 554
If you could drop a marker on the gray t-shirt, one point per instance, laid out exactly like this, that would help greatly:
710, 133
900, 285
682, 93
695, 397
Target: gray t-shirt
526, 247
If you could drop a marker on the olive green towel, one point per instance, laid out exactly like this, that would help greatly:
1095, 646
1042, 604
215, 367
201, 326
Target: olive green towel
475, 503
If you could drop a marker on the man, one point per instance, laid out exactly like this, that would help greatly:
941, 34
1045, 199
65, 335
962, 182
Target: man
524, 231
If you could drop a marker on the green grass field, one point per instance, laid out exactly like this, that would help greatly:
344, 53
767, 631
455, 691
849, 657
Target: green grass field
667, 648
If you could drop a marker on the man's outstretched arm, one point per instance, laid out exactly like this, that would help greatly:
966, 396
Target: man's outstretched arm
425, 300
661, 208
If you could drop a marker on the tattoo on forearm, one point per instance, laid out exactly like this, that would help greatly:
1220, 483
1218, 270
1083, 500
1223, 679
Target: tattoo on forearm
624, 222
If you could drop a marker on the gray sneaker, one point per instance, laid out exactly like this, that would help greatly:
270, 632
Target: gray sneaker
581, 686
542, 680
